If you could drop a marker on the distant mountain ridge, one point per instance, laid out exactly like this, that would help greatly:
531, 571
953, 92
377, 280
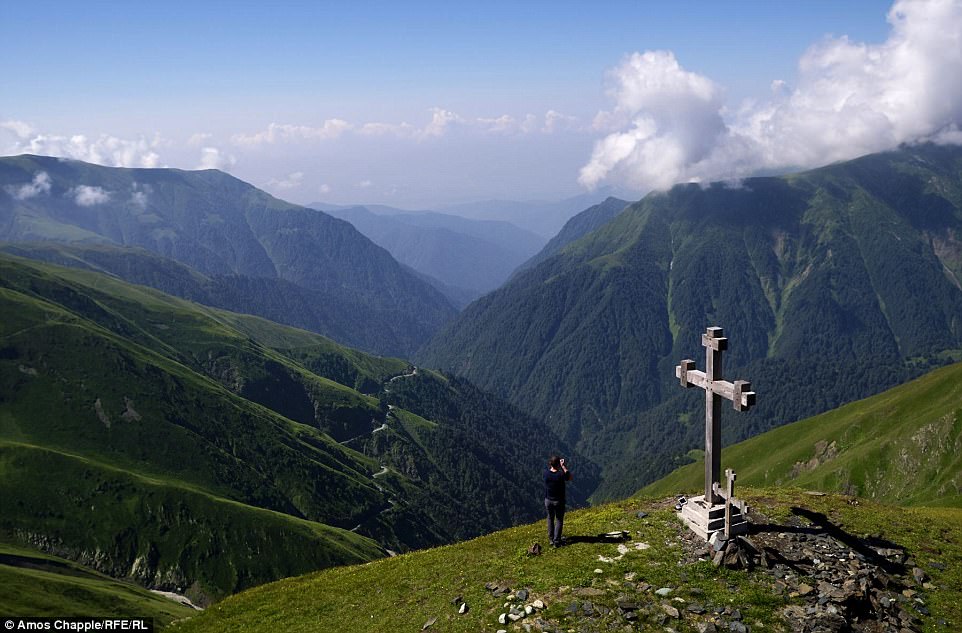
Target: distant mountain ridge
221, 226
471, 255
831, 285
577, 227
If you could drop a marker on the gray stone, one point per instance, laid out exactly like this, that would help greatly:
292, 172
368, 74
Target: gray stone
429, 624
464, 608
671, 611
664, 591
919, 575
522, 594
737, 627
503, 618
641, 515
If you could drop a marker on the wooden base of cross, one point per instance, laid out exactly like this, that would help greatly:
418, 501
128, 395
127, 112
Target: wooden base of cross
729, 518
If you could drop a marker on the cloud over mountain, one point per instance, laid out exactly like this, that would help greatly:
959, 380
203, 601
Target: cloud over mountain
851, 98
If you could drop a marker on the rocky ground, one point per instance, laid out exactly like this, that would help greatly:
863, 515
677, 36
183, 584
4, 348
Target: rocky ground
824, 579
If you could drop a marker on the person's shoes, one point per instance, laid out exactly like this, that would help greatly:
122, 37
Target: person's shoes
555, 544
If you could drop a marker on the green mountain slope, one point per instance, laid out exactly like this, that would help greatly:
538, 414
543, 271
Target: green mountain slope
204, 451
577, 227
592, 585
902, 446
34, 584
226, 229
831, 285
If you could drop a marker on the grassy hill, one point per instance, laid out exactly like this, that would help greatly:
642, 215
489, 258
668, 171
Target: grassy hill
35, 584
903, 446
204, 452
582, 592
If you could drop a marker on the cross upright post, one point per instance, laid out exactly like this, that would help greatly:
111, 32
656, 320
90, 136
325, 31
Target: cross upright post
716, 389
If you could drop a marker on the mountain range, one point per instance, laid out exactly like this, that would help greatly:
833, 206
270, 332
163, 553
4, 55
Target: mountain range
201, 451
468, 257
250, 252
831, 285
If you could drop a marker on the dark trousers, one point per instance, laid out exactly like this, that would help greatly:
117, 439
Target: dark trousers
556, 519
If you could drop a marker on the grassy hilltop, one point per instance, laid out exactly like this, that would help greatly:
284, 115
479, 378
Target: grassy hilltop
405, 593
902, 446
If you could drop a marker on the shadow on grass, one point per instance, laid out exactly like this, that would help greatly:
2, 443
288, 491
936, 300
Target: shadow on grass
822, 526
598, 538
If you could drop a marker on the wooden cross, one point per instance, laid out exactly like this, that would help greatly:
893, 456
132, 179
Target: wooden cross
739, 392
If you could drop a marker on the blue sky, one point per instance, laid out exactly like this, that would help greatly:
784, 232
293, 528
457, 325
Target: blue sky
413, 104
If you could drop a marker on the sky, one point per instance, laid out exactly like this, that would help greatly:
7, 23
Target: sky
425, 104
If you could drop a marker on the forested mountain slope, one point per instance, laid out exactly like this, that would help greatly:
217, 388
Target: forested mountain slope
831, 285
228, 230
577, 227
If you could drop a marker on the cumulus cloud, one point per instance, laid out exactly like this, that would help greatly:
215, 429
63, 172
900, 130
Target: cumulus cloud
401, 130
138, 195
291, 181
276, 132
441, 119
214, 158
555, 121
200, 138
669, 124
40, 184
21, 138
324, 189
88, 196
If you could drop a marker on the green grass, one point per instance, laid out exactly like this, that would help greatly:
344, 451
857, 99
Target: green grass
403, 593
37, 584
902, 446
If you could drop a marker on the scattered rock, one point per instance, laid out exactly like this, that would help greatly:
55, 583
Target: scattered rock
428, 624
538, 604
463, 609
641, 514
671, 611
919, 575
664, 591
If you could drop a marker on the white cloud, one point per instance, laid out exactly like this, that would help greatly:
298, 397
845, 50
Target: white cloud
214, 158
669, 124
138, 195
365, 184
401, 130
324, 188
441, 119
275, 132
291, 181
200, 138
40, 184
21, 138
502, 124
18, 128
555, 121
88, 196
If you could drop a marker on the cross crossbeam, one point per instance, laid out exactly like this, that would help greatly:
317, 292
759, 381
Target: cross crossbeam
716, 389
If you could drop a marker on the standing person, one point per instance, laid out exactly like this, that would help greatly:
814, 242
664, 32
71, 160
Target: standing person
555, 476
